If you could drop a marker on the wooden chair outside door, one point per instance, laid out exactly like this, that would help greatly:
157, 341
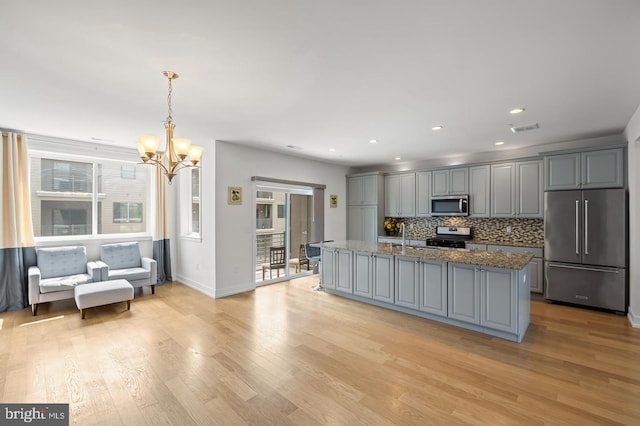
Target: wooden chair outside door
276, 261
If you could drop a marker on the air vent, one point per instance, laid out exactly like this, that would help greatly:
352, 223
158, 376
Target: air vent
524, 128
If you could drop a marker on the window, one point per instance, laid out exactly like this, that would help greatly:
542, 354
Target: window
280, 211
127, 212
263, 216
84, 196
265, 195
195, 201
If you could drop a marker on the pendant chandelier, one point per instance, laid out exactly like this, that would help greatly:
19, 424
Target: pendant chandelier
176, 151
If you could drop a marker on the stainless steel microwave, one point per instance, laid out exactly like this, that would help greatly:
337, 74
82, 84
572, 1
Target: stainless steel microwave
453, 205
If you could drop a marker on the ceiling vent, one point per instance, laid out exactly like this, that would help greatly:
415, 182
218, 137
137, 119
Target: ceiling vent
525, 128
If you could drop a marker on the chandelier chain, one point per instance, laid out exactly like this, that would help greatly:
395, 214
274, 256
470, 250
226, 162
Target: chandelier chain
169, 111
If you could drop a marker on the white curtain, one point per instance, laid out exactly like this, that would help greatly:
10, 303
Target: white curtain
17, 246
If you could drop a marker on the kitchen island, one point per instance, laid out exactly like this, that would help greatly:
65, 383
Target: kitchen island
475, 289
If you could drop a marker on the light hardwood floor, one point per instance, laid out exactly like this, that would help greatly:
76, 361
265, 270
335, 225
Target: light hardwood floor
285, 354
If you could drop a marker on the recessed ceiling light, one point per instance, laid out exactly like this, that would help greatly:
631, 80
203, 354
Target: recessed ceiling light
373, 141
397, 158
436, 128
499, 143
332, 150
516, 111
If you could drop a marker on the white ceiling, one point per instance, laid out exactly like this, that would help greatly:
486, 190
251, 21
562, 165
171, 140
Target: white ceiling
320, 74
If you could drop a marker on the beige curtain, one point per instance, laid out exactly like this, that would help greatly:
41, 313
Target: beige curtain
15, 216
17, 247
161, 242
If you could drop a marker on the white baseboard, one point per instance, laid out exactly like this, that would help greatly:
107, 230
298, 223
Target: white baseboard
215, 293
196, 286
634, 318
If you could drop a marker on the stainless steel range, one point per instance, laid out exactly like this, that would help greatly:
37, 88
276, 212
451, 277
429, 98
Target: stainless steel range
450, 236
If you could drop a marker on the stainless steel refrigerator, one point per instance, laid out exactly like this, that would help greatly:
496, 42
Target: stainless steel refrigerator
585, 247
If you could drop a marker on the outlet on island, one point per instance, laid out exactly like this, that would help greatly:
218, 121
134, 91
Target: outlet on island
508, 229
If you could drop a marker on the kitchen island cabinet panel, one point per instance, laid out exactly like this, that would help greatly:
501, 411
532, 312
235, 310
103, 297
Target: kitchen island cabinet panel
343, 273
407, 281
433, 287
498, 298
464, 293
327, 268
362, 276
383, 278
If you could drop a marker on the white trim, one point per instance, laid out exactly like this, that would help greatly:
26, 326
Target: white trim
195, 285
634, 319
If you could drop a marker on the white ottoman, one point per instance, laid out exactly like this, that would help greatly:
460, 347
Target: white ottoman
102, 293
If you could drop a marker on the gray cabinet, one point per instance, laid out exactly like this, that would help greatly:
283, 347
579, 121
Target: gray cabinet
362, 274
400, 192
536, 275
343, 272
407, 277
450, 181
327, 268
383, 278
365, 214
479, 191
363, 189
516, 189
464, 292
499, 299
423, 194
363, 223
490, 297
433, 287
585, 170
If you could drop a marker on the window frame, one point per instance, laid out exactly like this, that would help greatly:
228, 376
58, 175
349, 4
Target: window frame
187, 198
94, 199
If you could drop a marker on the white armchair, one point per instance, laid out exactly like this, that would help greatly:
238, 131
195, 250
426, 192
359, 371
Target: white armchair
57, 272
123, 261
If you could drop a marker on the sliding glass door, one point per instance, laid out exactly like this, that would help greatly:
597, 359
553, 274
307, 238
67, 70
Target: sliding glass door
284, 217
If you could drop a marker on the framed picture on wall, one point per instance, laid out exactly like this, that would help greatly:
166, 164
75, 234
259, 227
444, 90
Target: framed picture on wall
234, 195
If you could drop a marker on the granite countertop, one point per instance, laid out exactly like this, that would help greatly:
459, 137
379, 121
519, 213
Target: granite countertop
495, 259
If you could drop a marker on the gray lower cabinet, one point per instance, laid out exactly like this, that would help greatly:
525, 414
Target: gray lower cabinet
362, 274
383, 278
407, 274
433, 287
536, 278
464, 292
499, 299
343, 273
327, 268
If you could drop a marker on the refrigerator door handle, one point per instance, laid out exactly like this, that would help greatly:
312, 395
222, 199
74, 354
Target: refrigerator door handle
582, 268
577, 226
586, 226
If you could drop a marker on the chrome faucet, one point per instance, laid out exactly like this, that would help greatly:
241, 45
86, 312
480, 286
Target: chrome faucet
403, 230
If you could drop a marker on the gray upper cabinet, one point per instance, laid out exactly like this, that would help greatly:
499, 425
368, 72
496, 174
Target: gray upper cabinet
363, 190
423, 194
365, 213
516, 189
400, 192
602, 169
479, 191
450, 182
584, 170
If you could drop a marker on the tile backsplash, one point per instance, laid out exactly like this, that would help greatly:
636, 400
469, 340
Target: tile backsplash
494, 229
